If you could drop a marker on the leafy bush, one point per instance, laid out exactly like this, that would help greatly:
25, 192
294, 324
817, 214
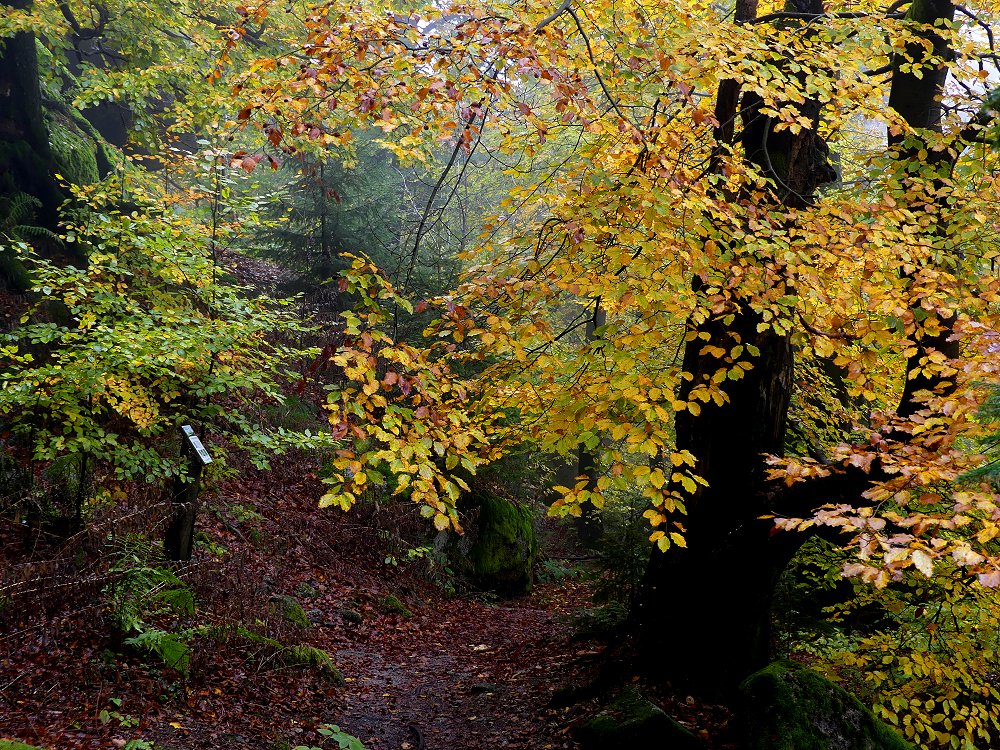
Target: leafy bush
924, 652
622, 549
142, 338
931, 670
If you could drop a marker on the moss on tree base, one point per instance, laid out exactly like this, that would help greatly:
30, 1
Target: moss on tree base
502, 557
786, 706
633, 721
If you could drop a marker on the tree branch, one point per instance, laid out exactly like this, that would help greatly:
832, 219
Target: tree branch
790, 16
563, 7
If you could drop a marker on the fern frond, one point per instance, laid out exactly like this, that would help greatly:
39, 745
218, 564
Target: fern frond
20, 208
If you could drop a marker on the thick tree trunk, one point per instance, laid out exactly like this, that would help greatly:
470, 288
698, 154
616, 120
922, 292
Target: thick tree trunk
915, 96
704, 612
26, 164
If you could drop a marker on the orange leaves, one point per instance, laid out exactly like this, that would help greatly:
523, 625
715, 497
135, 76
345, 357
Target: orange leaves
273, 134
241, 160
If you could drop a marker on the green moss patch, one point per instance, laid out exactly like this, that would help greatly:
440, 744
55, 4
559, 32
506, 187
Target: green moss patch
15, 745
505, 549
393, 606
75, 154
310, 656
290, 610
633, 721
786, 706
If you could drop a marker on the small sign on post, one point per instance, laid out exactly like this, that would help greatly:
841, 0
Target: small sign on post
196, 444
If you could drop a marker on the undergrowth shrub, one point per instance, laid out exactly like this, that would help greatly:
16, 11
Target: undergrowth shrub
620, 555
142, 590
15, 480
553, 570
622, 550
933, 671
271, 653
923, 652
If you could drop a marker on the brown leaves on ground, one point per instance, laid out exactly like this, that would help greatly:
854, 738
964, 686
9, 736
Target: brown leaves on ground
459, 673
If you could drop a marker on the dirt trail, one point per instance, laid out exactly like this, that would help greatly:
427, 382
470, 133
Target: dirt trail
480, 680
458, 674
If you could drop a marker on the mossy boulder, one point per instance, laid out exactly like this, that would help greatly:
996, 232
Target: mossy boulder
310, 656
350, 615
290, 610
393, 606
500, 547
786, 706
633, 721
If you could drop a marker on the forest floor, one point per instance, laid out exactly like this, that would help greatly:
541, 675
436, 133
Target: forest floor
454, 672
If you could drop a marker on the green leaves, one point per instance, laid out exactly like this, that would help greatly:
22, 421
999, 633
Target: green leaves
344, 740
117, 353
169, 647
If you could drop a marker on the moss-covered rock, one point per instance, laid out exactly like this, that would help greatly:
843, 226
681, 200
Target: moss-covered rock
350, 615
633, 721
393, 606
503, 547
15, 745
310, 656
306, 591
786, 706
75, 154
290, 610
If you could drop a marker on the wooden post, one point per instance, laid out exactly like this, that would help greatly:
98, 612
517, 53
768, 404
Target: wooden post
178, 542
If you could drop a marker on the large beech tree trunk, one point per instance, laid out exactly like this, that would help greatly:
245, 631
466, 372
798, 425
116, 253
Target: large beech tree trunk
703, 613
704, 610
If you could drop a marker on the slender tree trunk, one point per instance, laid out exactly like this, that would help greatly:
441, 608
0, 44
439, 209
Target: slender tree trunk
589, 526
178, 542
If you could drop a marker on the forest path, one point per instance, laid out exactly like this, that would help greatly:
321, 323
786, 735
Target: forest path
454, 673
460, 677
457, 673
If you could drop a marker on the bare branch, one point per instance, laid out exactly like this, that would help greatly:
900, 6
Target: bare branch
788, 16
563, 7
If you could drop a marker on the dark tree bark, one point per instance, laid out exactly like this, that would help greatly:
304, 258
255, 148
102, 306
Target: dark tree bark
589, 526
26, 164
703, 613
915, 95
178, 541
